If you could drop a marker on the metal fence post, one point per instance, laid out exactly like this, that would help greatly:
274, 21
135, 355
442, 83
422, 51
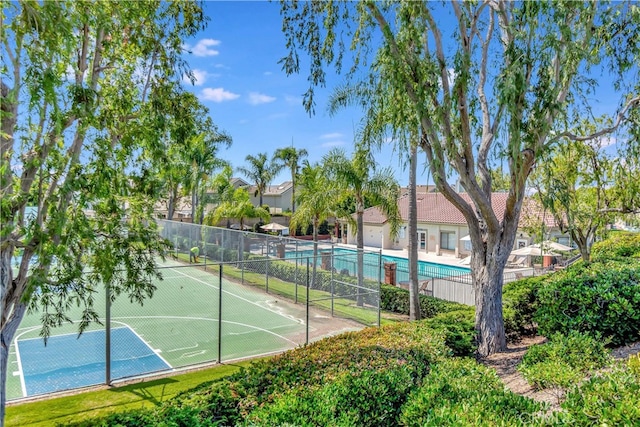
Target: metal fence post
107, 336
266, 273
220, 315
307, 339
332, 278
379, 284
295, 275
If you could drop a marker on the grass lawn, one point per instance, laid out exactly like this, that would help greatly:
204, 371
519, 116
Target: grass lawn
91, 404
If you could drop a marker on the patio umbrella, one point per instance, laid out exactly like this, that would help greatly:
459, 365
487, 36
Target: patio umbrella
555, 246
273, 226
532, 251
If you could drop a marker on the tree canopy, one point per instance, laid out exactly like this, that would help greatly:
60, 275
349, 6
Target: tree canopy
82, 87
484, 80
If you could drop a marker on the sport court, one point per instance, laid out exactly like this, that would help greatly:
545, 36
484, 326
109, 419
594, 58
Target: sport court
176, 328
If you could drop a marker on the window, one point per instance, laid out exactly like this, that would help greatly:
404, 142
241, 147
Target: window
448, 240
403, 232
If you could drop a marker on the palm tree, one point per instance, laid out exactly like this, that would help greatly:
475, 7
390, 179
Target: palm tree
203, 161
238, 207
290, 157
357, 178
315, 203
260, 171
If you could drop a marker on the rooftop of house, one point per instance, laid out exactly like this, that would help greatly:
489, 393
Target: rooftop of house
435, 208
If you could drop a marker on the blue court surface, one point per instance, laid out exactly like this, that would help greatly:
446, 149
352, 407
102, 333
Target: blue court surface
68, 362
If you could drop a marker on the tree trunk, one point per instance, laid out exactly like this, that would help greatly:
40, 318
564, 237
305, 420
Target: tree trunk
414, 297
194, 205
293, 193
171, 206
12, 312
488, 280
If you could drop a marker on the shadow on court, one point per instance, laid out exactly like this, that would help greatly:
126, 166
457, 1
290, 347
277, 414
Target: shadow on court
142, 390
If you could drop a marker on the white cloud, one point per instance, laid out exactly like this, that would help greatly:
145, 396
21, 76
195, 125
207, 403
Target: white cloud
267, 73
256, 98
203, 47
200, 77
331, 135
218, 95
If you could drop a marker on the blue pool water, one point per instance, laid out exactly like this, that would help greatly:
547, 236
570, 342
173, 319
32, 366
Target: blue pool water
345, 259
68, 362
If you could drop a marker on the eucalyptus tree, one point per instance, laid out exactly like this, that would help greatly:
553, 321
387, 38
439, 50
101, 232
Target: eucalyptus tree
290, 157
80, 86
260, 171
358, 178
185, 118
483, 79
586, 189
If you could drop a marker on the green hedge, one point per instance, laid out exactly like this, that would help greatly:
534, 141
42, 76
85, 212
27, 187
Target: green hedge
461, 392
564, 360
396, 300
520, 303
618, 246
601, 298
607, 399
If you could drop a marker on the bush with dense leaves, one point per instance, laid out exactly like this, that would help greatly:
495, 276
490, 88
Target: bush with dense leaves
520, 303
396, 300
599, 298
372, 397
412, 347
458, 329
611, 398
620, 246
461, 392
564, 360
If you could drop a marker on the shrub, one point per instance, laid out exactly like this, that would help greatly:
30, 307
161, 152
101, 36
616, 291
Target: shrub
619, 245
599, 298
461, 392
520, 303
396, 300
363, 398
412, 345
564, 360
609, 399
458, 329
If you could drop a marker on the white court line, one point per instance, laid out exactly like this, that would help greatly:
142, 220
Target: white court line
243, 299
145, 343
20, 372
215, 320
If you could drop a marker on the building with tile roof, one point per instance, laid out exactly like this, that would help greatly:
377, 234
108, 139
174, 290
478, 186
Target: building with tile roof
441, 226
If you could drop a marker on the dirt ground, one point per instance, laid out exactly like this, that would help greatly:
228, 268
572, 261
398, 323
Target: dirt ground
506, 365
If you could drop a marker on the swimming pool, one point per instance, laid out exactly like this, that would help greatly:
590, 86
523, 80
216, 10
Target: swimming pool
345, 260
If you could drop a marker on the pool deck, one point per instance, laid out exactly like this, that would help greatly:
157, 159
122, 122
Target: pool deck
403, 253
447, 259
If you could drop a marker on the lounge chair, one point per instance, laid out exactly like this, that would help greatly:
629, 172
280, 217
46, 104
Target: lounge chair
518, 262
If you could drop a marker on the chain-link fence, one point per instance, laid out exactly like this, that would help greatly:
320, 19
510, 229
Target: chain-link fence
243, 295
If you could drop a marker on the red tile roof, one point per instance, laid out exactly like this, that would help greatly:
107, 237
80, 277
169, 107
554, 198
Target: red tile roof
435, 208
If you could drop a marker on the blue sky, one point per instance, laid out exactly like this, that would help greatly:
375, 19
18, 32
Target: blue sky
235, 61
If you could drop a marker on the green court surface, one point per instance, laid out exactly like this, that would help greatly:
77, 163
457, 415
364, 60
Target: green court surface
179, 324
